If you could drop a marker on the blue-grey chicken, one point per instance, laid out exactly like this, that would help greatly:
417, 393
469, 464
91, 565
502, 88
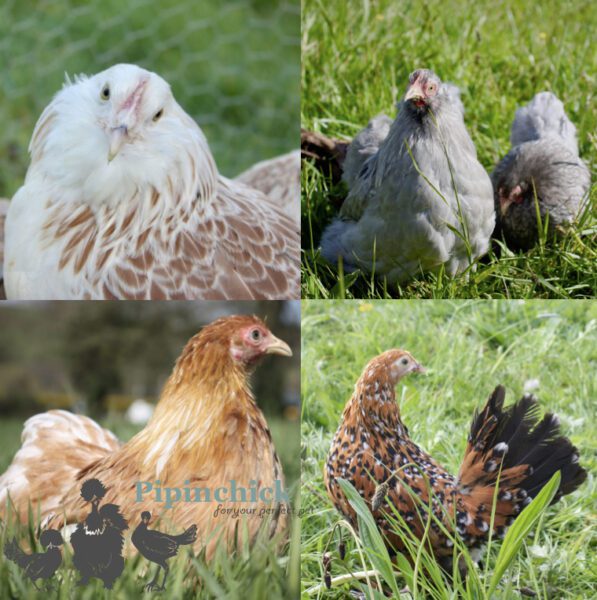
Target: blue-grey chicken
543, 163
422, 200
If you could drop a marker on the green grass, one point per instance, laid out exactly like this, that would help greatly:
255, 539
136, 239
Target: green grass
468, 348
356, 57
266, 569
233, 66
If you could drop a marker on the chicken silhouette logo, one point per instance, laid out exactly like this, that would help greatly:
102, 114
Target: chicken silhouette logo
39, 565
158, 547
97, 542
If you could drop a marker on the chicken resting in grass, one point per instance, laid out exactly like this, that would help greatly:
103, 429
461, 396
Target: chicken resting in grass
372, 449
423, 200
543, 164
206, 429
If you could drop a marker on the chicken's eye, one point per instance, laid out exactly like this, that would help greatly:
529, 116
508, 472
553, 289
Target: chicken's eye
431, 87
256, 334
404, 361
158, 115
105, 93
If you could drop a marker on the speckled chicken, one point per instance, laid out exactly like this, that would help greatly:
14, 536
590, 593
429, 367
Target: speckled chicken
544, 161
423, 201
372, 449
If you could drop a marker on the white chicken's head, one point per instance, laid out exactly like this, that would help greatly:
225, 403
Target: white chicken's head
424, 91
131, 102
117, 132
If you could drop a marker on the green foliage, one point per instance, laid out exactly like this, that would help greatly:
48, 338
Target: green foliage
356, 57
424, 579
250, 572
468, 347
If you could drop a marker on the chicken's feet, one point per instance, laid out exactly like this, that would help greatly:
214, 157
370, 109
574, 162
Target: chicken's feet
153, 585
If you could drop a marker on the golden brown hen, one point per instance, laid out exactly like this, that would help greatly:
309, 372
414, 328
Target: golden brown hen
206, 432
373, 451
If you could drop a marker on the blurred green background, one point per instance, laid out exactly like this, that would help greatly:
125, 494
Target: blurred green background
233, 65
98, 357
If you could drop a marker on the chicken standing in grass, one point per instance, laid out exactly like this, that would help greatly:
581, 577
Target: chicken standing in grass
373, 451
543, 163
206, 429
123, 200
39, 565
421, 202
158, 547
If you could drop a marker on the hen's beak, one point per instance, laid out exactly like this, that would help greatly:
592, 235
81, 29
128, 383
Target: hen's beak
417, 368
515, 197
415, 92
118, 137
277, 346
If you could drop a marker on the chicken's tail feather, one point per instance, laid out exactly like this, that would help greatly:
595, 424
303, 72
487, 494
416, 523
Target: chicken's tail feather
523, 451
543, 116
188, 537
13, 552
42, 458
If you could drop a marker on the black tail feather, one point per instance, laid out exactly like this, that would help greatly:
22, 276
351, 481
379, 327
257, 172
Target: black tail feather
538, 444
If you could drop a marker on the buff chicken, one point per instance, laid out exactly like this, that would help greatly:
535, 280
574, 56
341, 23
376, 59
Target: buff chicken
373, 451
206, 431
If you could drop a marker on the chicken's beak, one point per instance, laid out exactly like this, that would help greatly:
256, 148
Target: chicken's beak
515, 197
118, 137
417, 368
414, 92
277, 346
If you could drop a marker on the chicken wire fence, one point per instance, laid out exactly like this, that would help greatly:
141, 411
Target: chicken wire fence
233, 65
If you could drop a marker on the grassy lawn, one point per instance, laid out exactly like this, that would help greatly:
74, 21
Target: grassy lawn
253, 573
356, 57
233, 66
468, 348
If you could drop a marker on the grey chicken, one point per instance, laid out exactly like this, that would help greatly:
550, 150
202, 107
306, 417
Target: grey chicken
543, 162
422, 200
367, 142
39, 565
